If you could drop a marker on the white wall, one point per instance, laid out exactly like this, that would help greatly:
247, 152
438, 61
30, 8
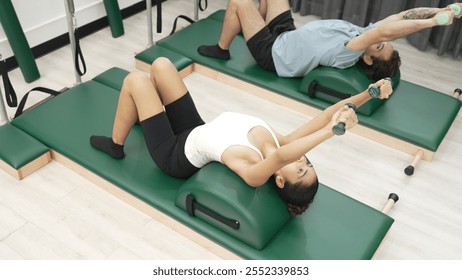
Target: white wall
42, 20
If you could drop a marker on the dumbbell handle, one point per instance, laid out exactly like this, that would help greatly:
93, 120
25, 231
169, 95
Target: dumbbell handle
339, 129
374, 91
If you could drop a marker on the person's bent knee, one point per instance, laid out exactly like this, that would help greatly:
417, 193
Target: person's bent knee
133, 80
236, 4
160, 64
134, 77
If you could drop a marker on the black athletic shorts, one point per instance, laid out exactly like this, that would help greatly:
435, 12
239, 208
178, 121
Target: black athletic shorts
261, 43
165, 135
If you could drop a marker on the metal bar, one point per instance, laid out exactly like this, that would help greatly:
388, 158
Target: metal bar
70, 11
149, 14
196, 9
3, 115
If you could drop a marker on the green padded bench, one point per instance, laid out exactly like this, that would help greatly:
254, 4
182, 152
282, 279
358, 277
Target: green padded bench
20, 153
402, 122
335, 227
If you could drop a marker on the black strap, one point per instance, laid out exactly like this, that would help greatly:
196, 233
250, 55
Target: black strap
79, 55
10, 94
21, 105
188, 19
200, 5
159, 16
313, 86
192, 205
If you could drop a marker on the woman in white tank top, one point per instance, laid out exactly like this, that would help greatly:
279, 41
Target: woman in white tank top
180, 143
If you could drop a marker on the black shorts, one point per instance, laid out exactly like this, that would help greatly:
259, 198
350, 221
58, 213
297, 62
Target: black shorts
166, 133
261, 43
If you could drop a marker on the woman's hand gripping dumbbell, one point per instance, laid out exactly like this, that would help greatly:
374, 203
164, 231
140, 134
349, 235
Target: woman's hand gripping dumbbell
381, 90
344, 119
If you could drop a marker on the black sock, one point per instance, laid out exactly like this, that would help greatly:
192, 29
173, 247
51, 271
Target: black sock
214, 51
108, 146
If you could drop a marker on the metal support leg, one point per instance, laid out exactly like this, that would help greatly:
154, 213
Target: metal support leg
196, 10
149, 15
3, 115
410, 169
392, 199
71, 23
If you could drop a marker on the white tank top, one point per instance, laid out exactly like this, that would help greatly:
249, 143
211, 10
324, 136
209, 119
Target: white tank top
207, 142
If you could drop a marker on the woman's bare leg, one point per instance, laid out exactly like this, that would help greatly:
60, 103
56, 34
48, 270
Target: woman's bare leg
167, 81
138, 100
141, 97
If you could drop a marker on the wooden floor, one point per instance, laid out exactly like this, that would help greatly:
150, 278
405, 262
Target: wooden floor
57, 214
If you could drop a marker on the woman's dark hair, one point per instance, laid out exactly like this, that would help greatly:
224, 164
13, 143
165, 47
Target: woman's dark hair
381, 69
297, 196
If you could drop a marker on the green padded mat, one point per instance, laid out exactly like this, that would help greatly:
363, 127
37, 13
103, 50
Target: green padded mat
335, 227
17, 148
408, 115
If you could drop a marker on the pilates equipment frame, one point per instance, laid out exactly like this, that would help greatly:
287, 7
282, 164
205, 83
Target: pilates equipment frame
72, 25
3, 115
149, 18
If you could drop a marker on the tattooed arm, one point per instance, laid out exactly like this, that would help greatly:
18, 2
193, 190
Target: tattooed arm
416, 13
420, 13
398, 26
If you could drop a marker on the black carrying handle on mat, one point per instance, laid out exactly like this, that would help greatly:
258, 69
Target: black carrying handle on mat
315, 86
188, 19
21, 105
79, 55
192, 205
10, 94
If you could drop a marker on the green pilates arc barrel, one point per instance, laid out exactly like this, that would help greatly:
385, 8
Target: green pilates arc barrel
114, 17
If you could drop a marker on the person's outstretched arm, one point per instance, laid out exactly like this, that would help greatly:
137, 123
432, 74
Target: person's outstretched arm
400, 25
325, 117
257, 174
415, 13
418, 13
302, 140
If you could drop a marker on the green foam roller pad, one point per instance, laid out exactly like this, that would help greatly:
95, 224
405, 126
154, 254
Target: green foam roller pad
260, 212
114, 17
18, 41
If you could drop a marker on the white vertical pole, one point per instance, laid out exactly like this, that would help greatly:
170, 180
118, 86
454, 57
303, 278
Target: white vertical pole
196, 9
70, 11
3, 114
149, 13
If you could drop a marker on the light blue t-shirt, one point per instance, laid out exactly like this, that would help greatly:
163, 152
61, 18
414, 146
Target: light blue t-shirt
320, 42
